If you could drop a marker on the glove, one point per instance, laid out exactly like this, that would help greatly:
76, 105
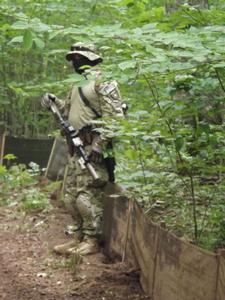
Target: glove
47, 99
96, 157
124, 107
77, 142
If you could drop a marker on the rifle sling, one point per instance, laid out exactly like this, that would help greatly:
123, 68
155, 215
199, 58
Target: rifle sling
87, 102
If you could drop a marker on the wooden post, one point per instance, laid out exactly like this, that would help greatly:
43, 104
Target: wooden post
50, 157
64, 180
2, 148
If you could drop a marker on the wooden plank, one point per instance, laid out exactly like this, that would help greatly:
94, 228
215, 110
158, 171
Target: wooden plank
184, 271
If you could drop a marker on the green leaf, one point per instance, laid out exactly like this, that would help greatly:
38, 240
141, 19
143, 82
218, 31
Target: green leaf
53, 34
203, 128
39, 43
16, 39
219, 65
23, 24
179, 141
75, 78
10, 156
127, 65
27, 40
38, 26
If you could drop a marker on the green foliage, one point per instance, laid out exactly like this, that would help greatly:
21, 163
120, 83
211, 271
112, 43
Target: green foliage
34, 200
19, 185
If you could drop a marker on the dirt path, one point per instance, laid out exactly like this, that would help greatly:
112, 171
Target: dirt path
29, 269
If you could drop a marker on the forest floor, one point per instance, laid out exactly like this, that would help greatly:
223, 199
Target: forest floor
30, 270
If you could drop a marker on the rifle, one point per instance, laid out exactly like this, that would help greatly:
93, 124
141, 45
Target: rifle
72, 134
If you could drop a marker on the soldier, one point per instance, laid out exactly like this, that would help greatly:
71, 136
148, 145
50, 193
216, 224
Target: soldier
83, 194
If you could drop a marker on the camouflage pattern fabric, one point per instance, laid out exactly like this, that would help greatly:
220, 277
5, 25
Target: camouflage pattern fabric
84, 197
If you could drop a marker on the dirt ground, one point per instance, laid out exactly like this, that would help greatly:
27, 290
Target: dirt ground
30, 270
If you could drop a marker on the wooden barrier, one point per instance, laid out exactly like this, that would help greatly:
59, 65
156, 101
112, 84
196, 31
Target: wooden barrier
26, 150
47, 153
57, 160
170, 268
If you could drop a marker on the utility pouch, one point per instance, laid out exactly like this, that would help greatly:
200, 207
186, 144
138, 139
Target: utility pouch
110, 163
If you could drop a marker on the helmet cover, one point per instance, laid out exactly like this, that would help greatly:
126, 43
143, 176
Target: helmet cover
85, 50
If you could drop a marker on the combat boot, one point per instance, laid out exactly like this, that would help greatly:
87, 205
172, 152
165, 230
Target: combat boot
88, 246
63, 248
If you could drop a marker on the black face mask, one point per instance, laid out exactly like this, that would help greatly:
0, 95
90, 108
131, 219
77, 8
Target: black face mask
80, 63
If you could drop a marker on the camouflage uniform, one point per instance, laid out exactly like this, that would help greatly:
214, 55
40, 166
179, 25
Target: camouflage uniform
83, 194
96, 99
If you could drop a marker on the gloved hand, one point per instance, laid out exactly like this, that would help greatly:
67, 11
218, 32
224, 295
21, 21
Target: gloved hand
47, 99
77, 141
124, 107
96, 157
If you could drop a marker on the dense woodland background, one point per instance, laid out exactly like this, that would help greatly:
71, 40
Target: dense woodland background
169, 59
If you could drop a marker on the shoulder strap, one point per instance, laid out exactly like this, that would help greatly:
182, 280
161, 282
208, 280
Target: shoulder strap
87, 102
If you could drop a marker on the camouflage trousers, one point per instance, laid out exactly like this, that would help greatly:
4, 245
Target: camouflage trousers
84, 196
